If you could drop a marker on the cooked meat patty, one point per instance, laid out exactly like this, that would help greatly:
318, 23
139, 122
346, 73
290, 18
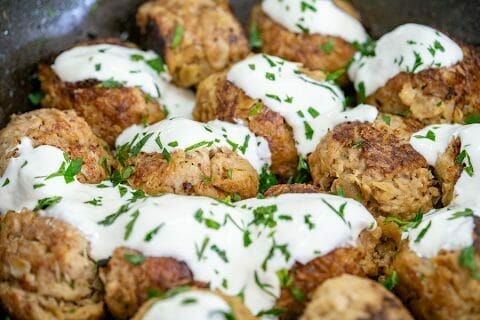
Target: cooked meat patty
439, 288
129, 285
432, 96
401, 127
62, 129
195, 37
448, 171
353, 298
239, 311
359, 260
314, 51
217, 173
374, 166
45, 271
107, 110
218, 98
291, 188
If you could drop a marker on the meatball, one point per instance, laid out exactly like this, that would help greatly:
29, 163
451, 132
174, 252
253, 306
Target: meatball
360, 260
374, 166
291, 188
108, 110
432, 96
448, 171
239, 311
217, 173
315, 51
439, 287
195, 37
64, 130
401, 127
129, 285
218, 98
353, 298
45, 270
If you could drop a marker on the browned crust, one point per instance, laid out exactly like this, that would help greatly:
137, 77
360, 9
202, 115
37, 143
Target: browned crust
291, 188
375, 167
354, 298
212, 38
304, 48
357, 261
448, 171
62, 129
441, 95
45, 271
438, 288
127, 285
217, 173
107, 110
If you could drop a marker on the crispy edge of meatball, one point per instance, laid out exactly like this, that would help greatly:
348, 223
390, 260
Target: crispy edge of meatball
304, 48
127, 285
218, 98
306, 278
64, 130
403, 128
212, 38
279, 189
107, 110
438, 288
45, 269
239, 310
217, 173
353, 298
374, 166
432, 96
448, 171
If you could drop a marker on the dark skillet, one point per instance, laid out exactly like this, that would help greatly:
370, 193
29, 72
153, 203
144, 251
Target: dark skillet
35, 30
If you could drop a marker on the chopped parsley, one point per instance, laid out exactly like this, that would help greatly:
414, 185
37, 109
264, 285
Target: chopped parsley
460, 214
473, 118
135, 259
466, 259
464, 159
156, 64
256, 109
254, 38
135, 150
201, 250
45, 203
390, 281
430, 136
339, 212
95, 202
327, 47
110, 219
406, 224
270, 76
98, 67
136, 57
273, 96
68, 169
313, 112
152, 233
111, 83
361, 96
130, 225
7, 181
35, 98
366, 49
267, 180
177, 36
308, 130
387, 119
423, 232
302, 174
221, 253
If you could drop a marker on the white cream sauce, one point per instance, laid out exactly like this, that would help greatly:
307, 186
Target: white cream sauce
129, 67
449, 228
200, 305
310, 107
408, 48
225, 245
315, 17
189, 135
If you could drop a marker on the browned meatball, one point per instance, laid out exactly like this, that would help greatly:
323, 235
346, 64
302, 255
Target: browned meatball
218, 98
45, 271
239, 311
62, 129
375, 167
217, 173
439, 288
401, 127
302, 47
448, 171
360, 260
353, 298
291, 188
196, 37
432, 96
107, 110
128, 285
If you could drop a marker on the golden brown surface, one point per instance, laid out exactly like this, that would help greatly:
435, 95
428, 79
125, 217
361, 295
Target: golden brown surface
291, 188
45, 271
448, 171
302, 47
438, 288
401, 127
375, 167
359, 260
441, 95
62, 129
127, 285
217, 173
353, 298
107, 110
239, 311
212, 38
